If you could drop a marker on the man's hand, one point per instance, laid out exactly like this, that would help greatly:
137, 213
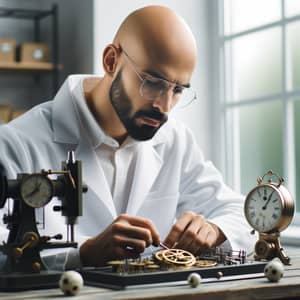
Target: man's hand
126, 237
193, 233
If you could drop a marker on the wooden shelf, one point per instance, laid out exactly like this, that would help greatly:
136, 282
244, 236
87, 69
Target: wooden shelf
24, 13
35, 69
29, 66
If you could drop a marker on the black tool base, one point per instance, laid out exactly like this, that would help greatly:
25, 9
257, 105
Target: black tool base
103, 277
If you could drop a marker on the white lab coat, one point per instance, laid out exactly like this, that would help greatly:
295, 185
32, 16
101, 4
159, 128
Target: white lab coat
171, 175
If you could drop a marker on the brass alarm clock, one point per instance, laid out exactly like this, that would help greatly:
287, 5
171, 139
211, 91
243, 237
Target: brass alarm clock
269, 209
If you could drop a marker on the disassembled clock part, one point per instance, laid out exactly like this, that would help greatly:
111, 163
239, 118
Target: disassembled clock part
177, 259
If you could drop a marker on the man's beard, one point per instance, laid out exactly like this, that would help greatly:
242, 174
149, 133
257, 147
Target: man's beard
123, 107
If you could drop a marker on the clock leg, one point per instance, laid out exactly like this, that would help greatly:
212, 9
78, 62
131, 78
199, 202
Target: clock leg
268, 247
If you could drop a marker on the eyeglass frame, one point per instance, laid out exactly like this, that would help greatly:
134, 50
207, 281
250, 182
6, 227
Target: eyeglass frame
171, 84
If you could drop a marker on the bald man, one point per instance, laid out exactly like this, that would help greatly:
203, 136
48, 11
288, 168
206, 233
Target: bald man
148, 181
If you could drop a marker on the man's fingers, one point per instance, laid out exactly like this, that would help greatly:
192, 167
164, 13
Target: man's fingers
173, 236
201, 242
148, 225
178, 229
206, 238
143, 223
130, 244
211, 238
192, 233
131, 231
126, 237
190, 239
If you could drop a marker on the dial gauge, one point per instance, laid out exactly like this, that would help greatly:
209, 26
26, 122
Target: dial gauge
36, 190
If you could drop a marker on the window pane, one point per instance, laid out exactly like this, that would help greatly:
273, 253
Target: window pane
241, 15
293, 55
261, 146
256, 64
297, 144
292, 7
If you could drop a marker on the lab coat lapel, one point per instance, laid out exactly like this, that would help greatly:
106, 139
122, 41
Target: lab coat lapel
93, 175
147, 167
66, 130
64, 118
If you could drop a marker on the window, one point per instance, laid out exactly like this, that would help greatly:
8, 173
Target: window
259, 84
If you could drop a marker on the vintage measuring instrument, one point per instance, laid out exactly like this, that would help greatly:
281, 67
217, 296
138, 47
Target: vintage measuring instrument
269, 209
24, 267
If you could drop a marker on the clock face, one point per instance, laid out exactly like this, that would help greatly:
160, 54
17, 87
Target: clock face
36, 190
263, 208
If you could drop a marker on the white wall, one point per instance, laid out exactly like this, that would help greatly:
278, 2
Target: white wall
108, 15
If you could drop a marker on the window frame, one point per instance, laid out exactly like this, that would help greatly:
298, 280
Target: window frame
226, 129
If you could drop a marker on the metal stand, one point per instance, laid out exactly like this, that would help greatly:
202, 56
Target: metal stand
268, 247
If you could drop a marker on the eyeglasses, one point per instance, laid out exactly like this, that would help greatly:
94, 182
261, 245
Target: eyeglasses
152, 88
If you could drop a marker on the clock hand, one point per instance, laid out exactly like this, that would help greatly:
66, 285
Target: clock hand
39, 183
34, 191
269, 198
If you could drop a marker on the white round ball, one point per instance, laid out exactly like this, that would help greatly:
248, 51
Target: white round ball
274, 270
194, 279
70, 283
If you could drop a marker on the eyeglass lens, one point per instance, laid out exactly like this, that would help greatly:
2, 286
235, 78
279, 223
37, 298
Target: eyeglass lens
155, 88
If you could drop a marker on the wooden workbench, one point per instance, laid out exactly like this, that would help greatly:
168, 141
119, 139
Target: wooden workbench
241, 289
